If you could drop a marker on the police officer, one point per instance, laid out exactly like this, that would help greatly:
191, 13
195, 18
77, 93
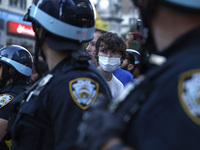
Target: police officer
129, 63
162, 111
51, 110
136, 54
15, 70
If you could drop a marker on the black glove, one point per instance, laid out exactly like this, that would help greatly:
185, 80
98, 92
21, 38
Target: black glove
97, 127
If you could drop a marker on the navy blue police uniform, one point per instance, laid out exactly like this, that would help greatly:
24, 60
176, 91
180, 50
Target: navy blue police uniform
7, 95
16, 64
169, 116
50, 114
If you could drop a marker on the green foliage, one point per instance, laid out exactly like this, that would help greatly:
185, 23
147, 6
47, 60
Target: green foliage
100, 24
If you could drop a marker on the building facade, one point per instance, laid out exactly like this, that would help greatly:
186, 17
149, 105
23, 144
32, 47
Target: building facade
119, 14
110, 12
13, 30
130, 15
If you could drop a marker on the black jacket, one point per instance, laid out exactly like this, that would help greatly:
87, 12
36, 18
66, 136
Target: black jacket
7, 95
169, 117
49, 120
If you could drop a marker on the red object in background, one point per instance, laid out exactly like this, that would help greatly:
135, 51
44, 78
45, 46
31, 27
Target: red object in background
137, 36
19, 28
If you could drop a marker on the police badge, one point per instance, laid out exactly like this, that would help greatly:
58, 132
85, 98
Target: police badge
84, 91
189, 94
5, 99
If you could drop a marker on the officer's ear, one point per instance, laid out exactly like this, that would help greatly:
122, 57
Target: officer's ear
130, 67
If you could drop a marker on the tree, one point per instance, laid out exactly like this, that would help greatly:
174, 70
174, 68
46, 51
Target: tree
100, 24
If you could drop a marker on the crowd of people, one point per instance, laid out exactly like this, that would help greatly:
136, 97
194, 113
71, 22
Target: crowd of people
106, 96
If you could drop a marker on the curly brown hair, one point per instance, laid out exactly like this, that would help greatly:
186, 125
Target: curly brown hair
113, 42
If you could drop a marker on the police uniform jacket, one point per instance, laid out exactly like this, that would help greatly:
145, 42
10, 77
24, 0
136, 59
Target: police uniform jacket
49, 120
7, 95
169, 118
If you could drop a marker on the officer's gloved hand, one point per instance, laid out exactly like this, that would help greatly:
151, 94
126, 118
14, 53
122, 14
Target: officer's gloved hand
97, 127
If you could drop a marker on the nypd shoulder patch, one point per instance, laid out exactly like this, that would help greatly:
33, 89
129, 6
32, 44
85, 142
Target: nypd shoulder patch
84, 91
5, 99
189, 94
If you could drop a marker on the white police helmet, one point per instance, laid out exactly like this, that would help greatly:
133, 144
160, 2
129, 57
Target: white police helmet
17, 57
67, 22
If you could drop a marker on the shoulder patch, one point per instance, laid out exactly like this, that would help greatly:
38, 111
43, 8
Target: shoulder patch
84, 91
189, 94
5, 99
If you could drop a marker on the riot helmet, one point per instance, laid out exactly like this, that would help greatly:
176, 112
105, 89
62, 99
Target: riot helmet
136, 55
184, 4
17, 57
147, 7
189, 6
192, 4
67, 23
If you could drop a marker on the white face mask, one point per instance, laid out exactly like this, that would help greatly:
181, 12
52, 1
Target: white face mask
109, 64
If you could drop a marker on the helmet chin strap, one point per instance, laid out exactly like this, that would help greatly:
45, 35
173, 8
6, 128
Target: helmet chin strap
148, 39
38, 44
7, 76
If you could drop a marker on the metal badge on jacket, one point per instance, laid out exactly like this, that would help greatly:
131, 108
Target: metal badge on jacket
5, 99
189, 94
84, 91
